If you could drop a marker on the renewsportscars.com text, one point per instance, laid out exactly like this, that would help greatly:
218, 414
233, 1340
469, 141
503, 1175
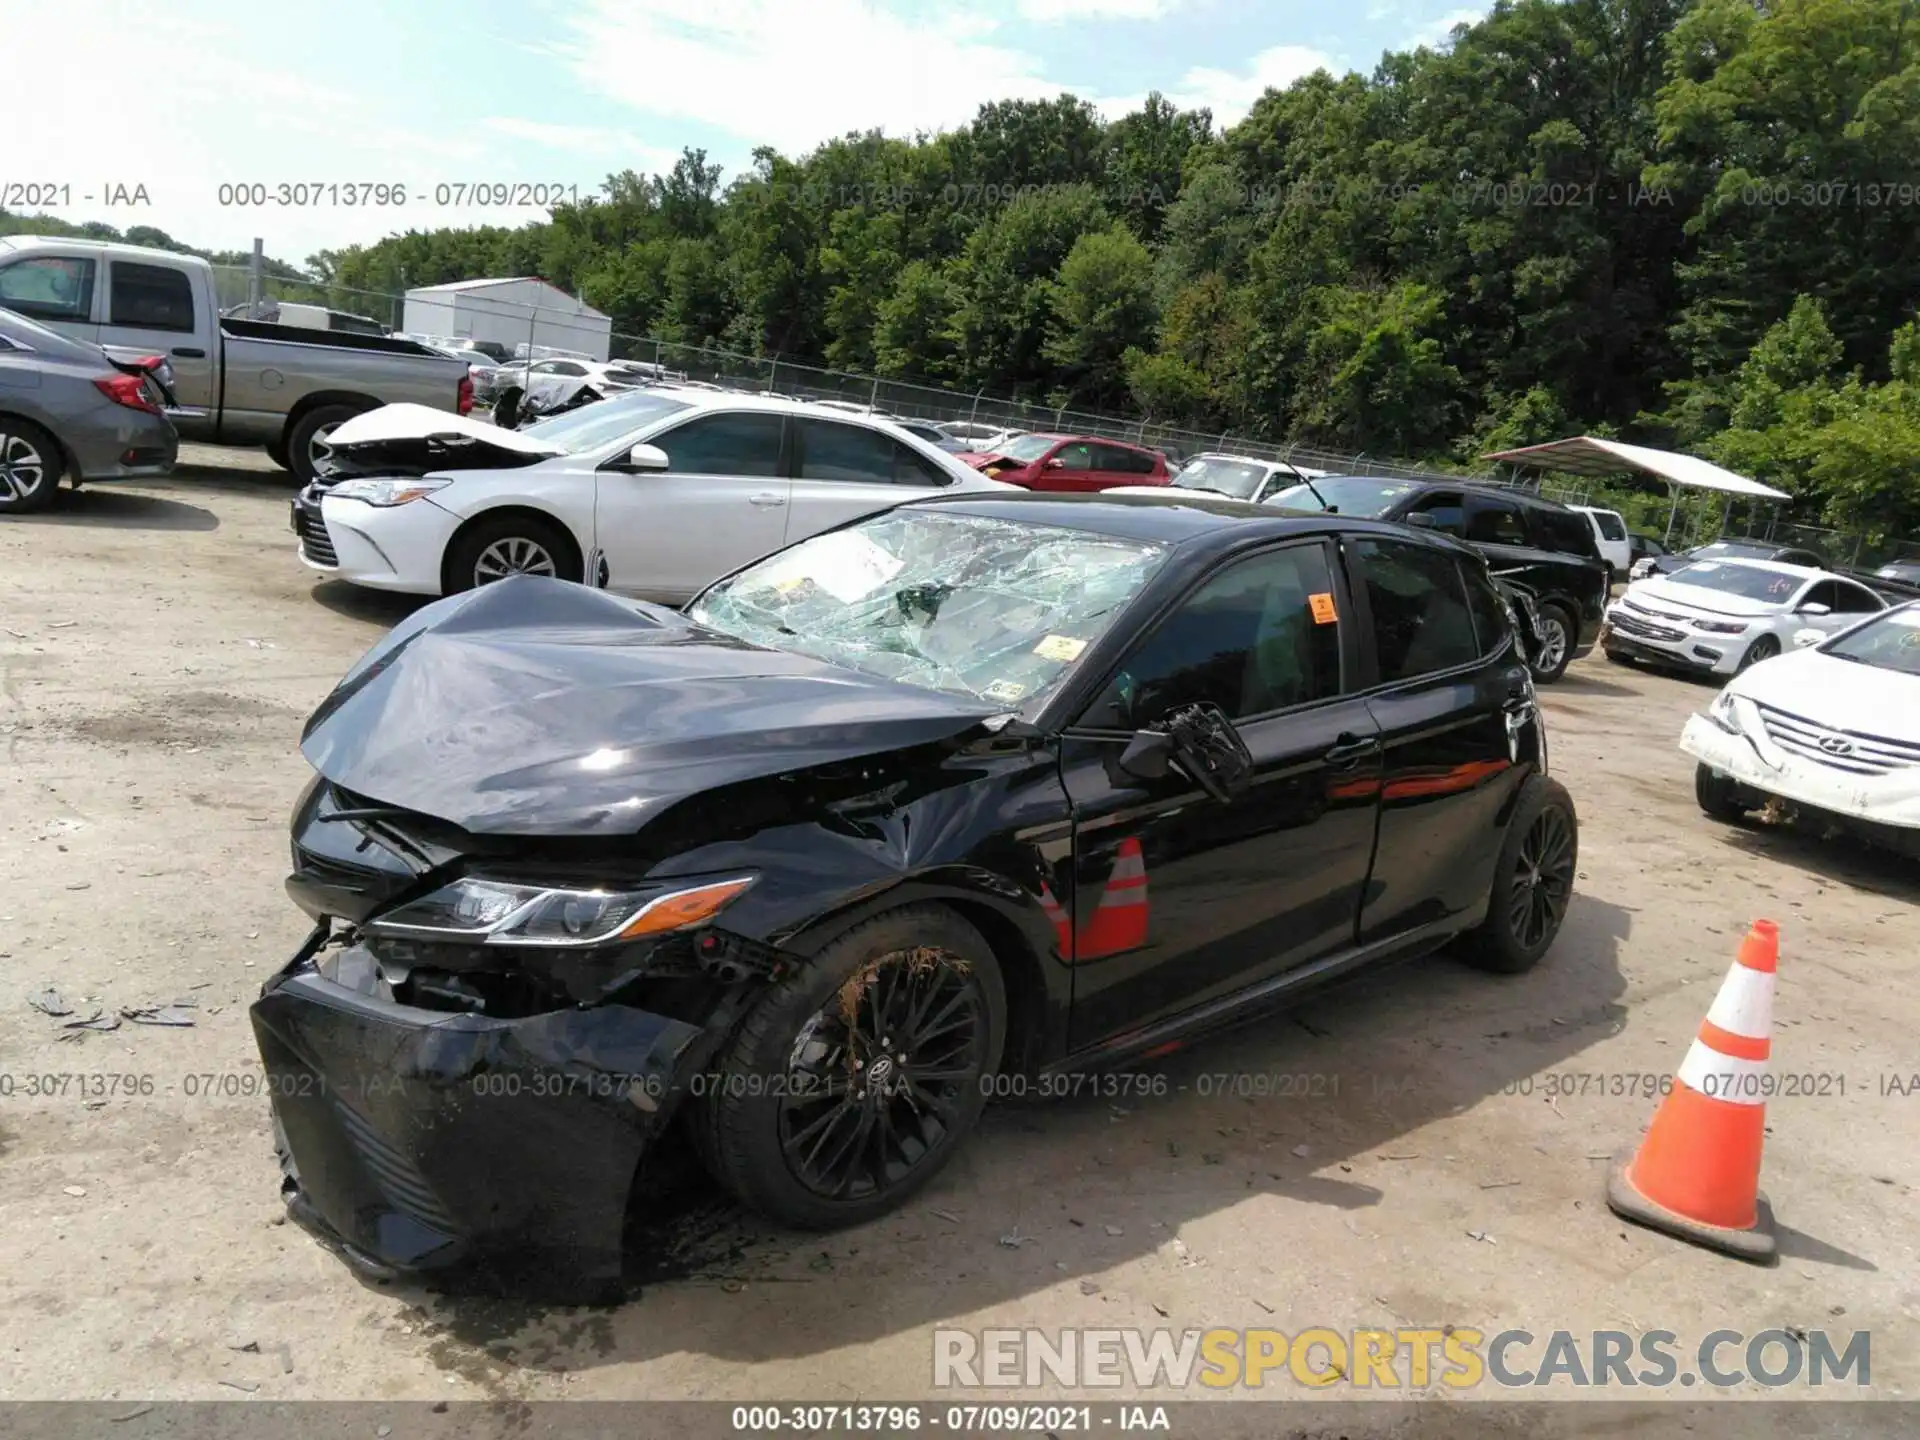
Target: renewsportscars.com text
1455, 1358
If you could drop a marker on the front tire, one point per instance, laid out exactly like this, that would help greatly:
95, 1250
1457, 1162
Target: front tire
1765, 648
1532, 882
495, 547
31, 463
306, 441
855, 1078
277, 453
1718, 796
1557, 635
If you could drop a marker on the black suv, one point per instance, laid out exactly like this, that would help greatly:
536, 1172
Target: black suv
960, 800
1542, 550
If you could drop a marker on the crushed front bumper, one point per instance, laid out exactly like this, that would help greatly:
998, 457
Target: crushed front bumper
414, 1140
1882, 808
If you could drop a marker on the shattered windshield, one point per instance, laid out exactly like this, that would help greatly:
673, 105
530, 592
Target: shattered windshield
988, 609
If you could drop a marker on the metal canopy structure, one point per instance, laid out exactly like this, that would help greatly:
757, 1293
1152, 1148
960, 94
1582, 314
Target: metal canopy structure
1591, 455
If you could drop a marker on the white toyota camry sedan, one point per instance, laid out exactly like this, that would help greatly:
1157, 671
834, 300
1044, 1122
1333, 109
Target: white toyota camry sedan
653, 494
1833, 727
1720, 616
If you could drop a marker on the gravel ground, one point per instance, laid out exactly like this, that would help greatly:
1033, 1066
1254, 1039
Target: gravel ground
160, 647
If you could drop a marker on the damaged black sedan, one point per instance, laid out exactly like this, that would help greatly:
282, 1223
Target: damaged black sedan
914, 813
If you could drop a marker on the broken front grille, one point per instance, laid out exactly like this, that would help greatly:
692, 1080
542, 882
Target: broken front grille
1848, 750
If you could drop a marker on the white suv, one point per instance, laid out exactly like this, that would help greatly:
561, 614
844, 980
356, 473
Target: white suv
1610, 531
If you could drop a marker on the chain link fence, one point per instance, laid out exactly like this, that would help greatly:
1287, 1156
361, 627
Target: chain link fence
1697, 519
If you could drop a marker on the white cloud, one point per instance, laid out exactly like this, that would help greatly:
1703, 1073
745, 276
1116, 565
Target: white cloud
1054, 12
193, 105
771, 72
1436, 33
1230, 94
592, 140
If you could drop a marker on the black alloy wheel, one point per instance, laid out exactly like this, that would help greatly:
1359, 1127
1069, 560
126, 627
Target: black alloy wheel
880, 1076
1543, 882
1532, 881
857, 1075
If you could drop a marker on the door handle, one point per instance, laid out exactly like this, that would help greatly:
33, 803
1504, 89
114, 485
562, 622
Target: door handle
1349, 750
766, 500
190, 352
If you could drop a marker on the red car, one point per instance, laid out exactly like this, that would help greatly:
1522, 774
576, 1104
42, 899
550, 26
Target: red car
1070, 462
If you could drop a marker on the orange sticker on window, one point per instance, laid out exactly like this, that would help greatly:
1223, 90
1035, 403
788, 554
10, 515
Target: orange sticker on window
1323, 611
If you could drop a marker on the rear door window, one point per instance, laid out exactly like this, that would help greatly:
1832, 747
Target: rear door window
1562, 531
1422, 621
149, 297
1492, 628
1612, 527
1493, 521
854, 454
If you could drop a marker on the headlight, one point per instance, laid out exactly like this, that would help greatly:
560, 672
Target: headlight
489, 912
385, 493
1720, 627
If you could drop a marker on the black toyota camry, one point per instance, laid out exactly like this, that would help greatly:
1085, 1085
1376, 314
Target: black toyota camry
972, 789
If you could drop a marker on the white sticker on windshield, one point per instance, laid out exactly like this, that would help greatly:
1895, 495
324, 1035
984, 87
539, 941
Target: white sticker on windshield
1004, 690
1062, 648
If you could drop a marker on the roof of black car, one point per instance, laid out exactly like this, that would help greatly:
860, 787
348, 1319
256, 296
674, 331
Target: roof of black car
1175, 518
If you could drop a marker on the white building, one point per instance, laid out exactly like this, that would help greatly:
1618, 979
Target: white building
519, 311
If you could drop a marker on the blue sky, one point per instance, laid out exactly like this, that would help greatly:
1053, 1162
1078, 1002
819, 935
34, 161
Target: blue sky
432, 92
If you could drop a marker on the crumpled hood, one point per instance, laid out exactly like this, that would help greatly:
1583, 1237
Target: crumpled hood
537, 707
1839, 694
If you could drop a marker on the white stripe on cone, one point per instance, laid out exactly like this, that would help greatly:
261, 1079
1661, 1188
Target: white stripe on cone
1744, 1005
1723, 1077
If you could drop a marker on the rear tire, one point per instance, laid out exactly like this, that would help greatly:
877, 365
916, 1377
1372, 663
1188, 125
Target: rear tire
494, 547
1718, 796
1532, 882
1557, 636
31, 463
308, 431
777, 1152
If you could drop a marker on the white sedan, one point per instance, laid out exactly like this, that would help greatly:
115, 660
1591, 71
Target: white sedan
1720, 616
654, 493
1834, 728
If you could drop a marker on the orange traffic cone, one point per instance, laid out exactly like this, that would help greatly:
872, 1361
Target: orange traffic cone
1697, 1173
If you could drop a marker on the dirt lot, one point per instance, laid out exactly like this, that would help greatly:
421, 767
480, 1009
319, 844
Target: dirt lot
159, 649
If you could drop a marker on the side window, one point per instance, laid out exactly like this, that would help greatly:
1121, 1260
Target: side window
853, 453
1258, 636
1139, 462
49, 287
567, 367
1497, 522
1112, 457
1825, 593
149, 297
913, 468
1492, 627
1421, 619
1445, 508
1612, 527
724, 445
1077, 456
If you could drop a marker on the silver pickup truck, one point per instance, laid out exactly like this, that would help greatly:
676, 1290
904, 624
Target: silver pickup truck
238, 382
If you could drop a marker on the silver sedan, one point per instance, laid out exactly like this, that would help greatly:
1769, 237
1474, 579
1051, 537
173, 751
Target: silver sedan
67, 408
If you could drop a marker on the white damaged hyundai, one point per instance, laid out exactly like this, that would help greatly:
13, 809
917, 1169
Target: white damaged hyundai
1831, 728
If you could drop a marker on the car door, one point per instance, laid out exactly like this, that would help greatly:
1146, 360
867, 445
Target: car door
150, 308
1070, 467
1115, 465
720, 503
843, 470
1837, 616
1180, 898
1453, 703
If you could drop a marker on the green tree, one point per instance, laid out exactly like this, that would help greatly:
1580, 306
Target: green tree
913, 327
1005, 282
1102, 303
